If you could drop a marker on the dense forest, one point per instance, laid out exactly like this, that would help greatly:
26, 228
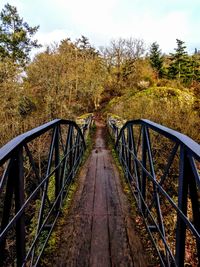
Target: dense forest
126, 78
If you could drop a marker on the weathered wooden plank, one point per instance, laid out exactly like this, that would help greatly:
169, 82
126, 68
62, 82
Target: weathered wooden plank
74, 249
99, 231
100, 202
119, 245
85, 202
113, 202
100, 252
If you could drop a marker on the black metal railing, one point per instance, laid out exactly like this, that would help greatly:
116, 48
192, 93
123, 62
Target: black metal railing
162, 168
36, 169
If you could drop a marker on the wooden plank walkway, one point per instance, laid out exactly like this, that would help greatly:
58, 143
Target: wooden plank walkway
99, 231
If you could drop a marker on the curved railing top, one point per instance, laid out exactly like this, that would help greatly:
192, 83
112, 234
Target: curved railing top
165, 182
37, 179
8, 148
191, 146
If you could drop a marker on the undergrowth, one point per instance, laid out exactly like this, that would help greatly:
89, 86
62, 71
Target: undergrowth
56, 235
140, 228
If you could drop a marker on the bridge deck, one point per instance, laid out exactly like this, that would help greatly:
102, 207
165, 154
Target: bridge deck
99, 230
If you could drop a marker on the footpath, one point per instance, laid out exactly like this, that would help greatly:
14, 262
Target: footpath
99, 231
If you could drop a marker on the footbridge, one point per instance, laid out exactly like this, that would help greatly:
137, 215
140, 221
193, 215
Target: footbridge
160, 172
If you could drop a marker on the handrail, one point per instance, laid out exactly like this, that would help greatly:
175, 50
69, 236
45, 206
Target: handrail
161, 168
30, 135
176, 136
38, 205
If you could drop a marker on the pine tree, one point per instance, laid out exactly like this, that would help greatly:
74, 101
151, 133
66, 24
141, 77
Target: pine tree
156, 59
15, 36
179, 67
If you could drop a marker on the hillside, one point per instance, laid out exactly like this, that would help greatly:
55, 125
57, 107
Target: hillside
175, 108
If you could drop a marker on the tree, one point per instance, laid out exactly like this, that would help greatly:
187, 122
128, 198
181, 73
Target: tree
121, 58
179, 62
15, 36
156, 59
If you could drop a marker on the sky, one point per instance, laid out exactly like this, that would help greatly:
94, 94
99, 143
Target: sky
101, 21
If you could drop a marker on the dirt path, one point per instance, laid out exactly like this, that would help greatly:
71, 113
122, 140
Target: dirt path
99, 231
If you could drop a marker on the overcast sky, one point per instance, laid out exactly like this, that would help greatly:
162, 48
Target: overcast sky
102, 20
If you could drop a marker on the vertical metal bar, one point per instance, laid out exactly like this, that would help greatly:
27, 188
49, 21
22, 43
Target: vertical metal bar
182, 204
124, 153
123, 144
7, 206
135, 165
57, 172
19, 201
195, 203
76, 150
130, 148
144, 164
67, 149
71, 150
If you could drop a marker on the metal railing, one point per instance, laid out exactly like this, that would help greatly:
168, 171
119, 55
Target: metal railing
85, 123
36, 169
162, 168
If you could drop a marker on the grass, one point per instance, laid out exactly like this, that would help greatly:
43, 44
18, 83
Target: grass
56, 235
135, 213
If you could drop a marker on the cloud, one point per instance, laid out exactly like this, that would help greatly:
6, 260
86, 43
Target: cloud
45, 38
90, 15
101, 21
104, 20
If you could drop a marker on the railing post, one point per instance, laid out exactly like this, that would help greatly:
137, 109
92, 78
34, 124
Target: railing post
124, 153
130, 149
135, 166
18, 176
75, 150
195, 203
144, 163
71, 158
182, 205
66, 162
57, 172
7, 208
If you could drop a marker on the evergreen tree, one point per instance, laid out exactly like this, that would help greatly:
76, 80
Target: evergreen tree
15, 36
195, 67
179, 67
156, 59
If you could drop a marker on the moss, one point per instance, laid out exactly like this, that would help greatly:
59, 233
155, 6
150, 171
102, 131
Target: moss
53, 242
84, 116
178, 105
138, 221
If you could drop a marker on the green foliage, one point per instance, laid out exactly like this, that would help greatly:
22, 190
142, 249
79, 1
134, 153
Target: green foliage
180, 62
156, 59
168, 106
15, 36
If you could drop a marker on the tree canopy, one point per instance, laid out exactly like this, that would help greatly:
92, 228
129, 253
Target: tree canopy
156, 59
16, 36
